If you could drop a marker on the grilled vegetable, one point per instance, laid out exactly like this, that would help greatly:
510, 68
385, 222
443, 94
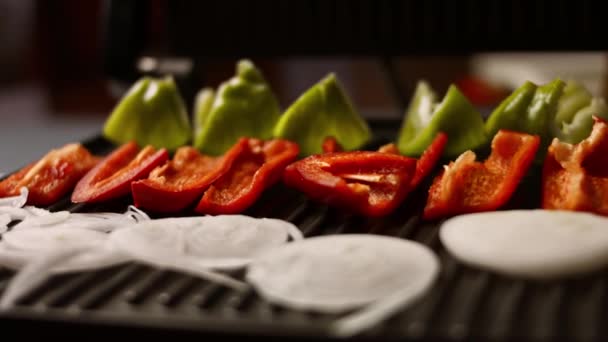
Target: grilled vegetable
259, 165
323, 110
575, 177
467, 186
576, 108
112, 177
180, 182
151, 113
244, 106
364, 182
51, 177
455, 116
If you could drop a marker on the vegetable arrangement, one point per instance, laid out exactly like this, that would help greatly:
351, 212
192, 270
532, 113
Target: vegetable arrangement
242, 145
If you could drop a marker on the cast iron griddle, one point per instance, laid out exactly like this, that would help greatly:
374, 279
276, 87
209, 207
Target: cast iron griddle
465, 303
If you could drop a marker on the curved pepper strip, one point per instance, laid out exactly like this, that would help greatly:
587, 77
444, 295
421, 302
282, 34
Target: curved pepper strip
454, 115
153, 113
111, 177
364, 182
51, 177
180, 182
256, 168
467, 186
244, 106
575, 177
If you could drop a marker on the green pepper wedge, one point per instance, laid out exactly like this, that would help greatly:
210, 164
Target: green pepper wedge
454, 115
244, 106
153, 113
508, 114
542, 111
202, 108
322, 111
574, 119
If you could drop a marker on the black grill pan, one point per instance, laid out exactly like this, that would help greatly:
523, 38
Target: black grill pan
133, 300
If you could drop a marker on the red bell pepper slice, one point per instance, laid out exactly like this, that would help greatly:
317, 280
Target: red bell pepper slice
467, 186
180, 182
256, 168
330, 144
429, 158
51, 177
575, 177
365, 182
112, 177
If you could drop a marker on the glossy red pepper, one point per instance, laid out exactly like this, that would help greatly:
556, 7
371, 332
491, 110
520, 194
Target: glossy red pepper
429, 158
330, 144
365, 182
51, 177
256, 168
575, 177
180, 182
467, 186
112, 177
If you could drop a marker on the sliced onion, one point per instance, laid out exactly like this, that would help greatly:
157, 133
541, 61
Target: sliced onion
43, 221
5, 219
217, 242
337, 273
33, 274
35, 211
15, 201
137, 214
20, 247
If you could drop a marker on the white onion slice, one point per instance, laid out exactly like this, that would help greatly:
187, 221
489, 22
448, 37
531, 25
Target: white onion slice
15, 201
20, 247
35, 273
5, 219
137, 214
43, 221
529, 243
337, 273
218, 242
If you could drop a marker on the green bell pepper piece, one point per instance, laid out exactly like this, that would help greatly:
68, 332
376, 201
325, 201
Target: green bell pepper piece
542, 111
574, 98
581, 124
576, 107
202, 107
454, 115
153, 113
243, 106
323, 110
509, 114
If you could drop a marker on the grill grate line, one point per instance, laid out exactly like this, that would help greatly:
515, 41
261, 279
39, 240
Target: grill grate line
70, 289
424, 313
137, 293
177, 291
105, 290
209, 296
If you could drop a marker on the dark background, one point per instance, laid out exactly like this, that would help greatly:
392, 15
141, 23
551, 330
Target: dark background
65, 63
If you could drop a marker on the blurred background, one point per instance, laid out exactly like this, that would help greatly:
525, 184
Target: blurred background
64, 64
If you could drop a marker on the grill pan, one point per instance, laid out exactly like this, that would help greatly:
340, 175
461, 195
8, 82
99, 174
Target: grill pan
465, 303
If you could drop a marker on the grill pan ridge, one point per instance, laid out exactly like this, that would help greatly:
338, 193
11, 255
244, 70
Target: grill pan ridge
464, 304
